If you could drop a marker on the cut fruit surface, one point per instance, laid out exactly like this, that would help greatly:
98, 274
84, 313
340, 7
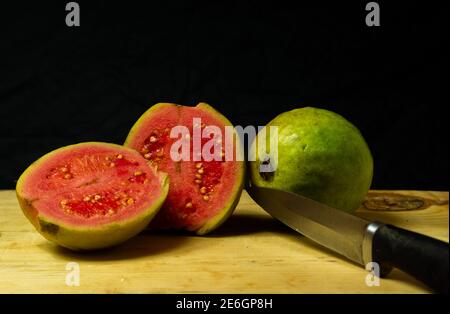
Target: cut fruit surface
91, 195
203, 193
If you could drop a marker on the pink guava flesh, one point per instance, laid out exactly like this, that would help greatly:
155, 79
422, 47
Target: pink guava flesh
199, 190
90, 184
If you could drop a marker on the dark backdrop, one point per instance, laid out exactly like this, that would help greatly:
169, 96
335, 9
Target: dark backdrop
251, 60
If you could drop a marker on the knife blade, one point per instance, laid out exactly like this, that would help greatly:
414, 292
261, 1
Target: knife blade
337, 230
357, 239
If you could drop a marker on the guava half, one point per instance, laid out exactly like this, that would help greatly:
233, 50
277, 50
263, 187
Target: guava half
202, 193
321, 155
91, 195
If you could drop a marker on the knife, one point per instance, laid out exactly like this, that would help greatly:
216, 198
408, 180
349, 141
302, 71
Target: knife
357, 239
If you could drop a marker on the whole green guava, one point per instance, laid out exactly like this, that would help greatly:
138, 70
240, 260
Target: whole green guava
321, 155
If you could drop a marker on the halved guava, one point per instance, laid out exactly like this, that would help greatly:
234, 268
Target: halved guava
203, 193
91, 195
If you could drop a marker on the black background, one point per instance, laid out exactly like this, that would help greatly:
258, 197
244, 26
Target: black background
250, 59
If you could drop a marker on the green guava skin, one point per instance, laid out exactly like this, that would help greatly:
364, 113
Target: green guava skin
321, 155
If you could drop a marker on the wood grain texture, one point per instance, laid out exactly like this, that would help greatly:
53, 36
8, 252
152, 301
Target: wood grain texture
250, 253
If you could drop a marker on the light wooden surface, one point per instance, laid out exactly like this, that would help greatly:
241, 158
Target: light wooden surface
250, 253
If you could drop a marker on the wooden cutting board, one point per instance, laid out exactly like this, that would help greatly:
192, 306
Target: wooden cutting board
250, 253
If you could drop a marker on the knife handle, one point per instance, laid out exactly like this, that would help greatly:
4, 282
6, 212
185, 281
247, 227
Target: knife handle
422, 257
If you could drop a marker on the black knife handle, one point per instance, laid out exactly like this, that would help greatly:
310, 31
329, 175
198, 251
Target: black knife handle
422, 257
